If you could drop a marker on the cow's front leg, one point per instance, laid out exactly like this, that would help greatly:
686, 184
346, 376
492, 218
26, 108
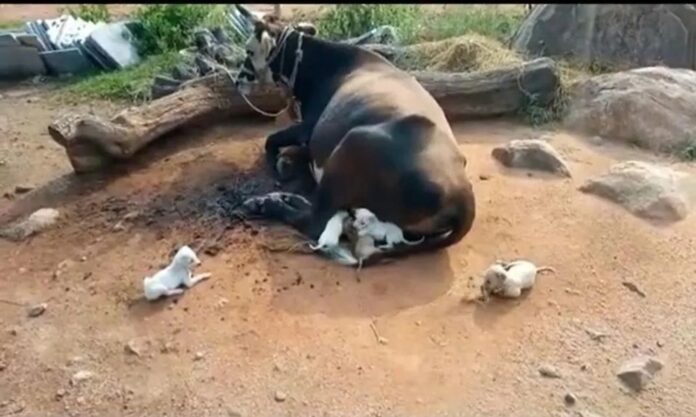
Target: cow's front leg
293, 135
291, 209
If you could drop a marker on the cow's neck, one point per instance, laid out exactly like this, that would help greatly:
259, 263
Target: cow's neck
323, 64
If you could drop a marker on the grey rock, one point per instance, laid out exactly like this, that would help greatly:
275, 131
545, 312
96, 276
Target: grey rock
635, 373
531, 154
37, 310
38, 221
184, 72
570, 399
653, 108
648, 191
19, 62
625, 34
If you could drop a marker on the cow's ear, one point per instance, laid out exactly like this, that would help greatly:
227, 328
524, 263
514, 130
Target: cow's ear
306, 28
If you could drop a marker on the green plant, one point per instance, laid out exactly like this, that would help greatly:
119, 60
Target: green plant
688, 151
490, 21
169, 27
537, 114
89, 12
348, 20
131, 84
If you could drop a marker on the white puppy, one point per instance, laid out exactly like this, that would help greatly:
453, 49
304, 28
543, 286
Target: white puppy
508, 279
167, 281
332, 232
367, 224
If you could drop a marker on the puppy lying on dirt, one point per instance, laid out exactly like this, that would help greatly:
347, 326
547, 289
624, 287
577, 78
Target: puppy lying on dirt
167, 281
508, 279
367, 224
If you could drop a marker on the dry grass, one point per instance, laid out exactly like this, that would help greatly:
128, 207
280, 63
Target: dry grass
460, 54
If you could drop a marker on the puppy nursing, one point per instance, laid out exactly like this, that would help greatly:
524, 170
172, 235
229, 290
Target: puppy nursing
508, 279
367, 224
363, 229
167, 281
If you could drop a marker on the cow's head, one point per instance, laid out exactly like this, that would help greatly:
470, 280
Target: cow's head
268, 35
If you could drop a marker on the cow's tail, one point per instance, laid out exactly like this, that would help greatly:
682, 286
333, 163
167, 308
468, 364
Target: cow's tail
459, 221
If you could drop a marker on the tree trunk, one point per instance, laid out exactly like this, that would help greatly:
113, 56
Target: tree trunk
92, 142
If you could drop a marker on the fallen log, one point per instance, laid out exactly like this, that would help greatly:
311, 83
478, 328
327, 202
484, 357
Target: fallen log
92, 142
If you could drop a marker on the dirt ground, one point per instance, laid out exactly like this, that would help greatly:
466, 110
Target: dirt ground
277, 334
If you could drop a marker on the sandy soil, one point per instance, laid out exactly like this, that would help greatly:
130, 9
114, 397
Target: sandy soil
276, 326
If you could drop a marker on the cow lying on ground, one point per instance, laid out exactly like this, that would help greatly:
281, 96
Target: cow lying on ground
371, 135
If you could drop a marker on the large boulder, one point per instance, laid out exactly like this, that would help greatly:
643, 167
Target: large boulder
648, 191
653, 107
635, 35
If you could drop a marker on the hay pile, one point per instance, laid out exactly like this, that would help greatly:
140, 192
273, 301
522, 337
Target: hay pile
460, 54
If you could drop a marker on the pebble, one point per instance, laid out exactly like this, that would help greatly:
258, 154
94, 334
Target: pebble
484, 177
132, 348
81, 376
13, 331
80, 400
3, 366
37, 310
569, 399
634, 288
548, 371
198, 356
280, 396
222, 302
231, 412
60, 394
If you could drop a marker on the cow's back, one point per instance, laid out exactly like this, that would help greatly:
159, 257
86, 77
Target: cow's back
370, 95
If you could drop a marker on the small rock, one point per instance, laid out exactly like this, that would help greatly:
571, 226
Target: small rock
660, 343
484, 177
3, 366
212, 250
596, 335
569, 399
13, 331
222, 302
37, 310
633, 288
231, 412
531, 154
83, 258
132, 348
280, 396
383, 340
80, 400
199, 356
548, 371
23, 189
637, 372
60, 394
119, 227
81, 376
